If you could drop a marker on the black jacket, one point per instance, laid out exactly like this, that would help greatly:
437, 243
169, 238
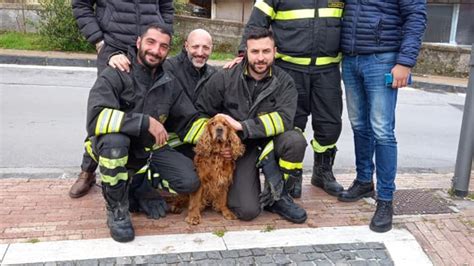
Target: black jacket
307, 32
119, 22
270, 114
188, 76
122, 102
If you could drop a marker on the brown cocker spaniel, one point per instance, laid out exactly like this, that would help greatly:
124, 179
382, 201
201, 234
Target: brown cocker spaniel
214, 171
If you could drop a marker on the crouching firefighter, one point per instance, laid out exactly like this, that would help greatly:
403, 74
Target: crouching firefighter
259, 101
128, 117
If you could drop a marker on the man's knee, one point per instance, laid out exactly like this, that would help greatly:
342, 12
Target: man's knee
110, 143
290, 142
188, 184
247, 213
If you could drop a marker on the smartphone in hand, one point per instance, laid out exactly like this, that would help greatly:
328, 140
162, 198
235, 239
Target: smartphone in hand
389, 79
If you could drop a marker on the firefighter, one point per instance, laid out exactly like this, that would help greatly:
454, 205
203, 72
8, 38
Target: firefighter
258, 100
129, 115
307, 37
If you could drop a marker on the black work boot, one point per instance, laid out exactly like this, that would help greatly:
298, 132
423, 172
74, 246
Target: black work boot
323, 176
288, 209
357, 191
382, 220
118, 217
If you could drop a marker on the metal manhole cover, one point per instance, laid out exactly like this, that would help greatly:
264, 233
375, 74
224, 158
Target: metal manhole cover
419, 201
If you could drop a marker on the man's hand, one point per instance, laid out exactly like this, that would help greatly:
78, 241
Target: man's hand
120, 61
234, 62
400, 75
236, 125
158, 131
98, 46
227, 153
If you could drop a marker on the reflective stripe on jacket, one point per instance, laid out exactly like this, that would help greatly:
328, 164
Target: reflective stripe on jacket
270, 114
306, 31
121, 102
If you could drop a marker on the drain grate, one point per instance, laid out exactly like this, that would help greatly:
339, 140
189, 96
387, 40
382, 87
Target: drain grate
419, 201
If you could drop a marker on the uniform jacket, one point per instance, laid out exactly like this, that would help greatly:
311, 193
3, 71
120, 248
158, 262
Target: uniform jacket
121, 102
307, 32
377, 26
188, 76
270, 114
120, 22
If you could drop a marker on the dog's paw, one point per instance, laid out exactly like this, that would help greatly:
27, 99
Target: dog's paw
193, 219
229, 215
176, 209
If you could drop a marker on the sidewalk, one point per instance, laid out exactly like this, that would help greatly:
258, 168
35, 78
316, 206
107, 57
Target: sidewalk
40, 211
23, 57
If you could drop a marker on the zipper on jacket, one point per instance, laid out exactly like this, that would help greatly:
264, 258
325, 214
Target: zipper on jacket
137, 8
354, 33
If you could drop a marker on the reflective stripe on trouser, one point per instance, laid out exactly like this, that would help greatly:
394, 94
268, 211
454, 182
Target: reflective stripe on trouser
319, 95
318, 148
289, 149
174, 171
112, 153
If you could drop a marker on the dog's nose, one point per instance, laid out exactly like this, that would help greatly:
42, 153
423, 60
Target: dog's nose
219, 130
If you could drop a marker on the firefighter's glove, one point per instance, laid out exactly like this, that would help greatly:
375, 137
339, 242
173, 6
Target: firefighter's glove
272, 190
154, 208
149, 200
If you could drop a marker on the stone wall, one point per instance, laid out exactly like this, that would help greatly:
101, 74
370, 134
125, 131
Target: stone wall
18, 16
436, 59
442, 59
226, 34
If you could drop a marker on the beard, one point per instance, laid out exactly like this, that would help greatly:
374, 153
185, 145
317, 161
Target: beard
258, 69
197, 62
158, 59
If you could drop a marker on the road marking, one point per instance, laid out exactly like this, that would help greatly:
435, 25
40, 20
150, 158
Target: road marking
65, 68
401, 245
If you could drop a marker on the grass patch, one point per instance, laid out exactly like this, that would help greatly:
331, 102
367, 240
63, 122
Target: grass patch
22, 41
268, 228
33, 41
470, 196
33, 240
219, 233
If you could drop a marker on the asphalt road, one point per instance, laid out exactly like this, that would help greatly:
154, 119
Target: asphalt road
43, 109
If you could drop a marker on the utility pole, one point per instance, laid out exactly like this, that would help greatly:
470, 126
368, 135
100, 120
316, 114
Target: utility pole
464, 158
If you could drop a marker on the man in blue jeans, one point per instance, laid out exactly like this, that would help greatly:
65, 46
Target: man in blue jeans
378, 38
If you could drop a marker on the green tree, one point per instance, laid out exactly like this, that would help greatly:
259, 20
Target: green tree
58, 28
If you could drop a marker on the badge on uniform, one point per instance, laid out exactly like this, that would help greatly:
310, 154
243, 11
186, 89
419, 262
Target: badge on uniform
335, 4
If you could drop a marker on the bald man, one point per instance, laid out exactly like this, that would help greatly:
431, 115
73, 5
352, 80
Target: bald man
192, 71
190, 66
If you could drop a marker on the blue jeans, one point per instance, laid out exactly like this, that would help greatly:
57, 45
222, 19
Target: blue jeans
371, 108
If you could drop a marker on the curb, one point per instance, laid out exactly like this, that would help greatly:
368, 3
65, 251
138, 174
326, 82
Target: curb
401, 245
438, 87
46, 61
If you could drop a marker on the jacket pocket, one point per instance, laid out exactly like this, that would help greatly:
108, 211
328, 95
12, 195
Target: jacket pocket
331, 38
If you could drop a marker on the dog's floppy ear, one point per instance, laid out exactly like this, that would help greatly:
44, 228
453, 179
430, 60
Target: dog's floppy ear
236, 145
204, 146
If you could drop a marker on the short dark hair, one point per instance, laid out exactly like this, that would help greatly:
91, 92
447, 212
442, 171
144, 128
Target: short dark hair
256, 33
161, 27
